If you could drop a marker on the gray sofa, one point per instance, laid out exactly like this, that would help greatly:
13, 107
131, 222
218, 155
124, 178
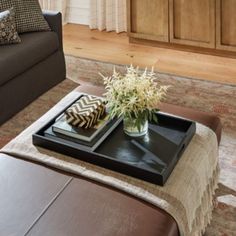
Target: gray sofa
30, 68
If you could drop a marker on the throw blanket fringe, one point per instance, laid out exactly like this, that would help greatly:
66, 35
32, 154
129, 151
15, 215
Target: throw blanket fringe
204, 212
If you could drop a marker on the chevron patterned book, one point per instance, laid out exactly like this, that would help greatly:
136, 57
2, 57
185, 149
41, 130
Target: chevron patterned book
61, 126
86, 111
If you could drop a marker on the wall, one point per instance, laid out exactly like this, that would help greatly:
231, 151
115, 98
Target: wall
77, 12
57, 5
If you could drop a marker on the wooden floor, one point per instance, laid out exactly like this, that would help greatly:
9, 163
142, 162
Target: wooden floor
115, 48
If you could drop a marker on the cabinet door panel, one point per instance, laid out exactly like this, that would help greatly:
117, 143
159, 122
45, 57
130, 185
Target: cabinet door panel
192, 22
226, 25
148, 19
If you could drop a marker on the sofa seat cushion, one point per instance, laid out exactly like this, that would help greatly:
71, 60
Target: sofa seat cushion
34, 48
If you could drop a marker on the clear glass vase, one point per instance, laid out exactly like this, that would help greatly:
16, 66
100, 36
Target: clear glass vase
131, 129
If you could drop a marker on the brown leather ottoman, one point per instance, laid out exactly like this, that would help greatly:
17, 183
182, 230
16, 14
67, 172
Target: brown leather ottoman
37, 200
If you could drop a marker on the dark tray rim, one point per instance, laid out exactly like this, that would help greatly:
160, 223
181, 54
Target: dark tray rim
104, 160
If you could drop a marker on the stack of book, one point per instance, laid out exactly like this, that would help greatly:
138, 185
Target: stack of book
88, 139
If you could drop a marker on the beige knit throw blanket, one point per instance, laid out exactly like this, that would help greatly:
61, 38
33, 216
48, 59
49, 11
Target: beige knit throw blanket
187, 195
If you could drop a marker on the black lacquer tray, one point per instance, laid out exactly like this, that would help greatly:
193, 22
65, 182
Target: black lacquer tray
151, 158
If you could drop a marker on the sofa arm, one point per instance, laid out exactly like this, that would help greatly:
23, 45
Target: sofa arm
54, 20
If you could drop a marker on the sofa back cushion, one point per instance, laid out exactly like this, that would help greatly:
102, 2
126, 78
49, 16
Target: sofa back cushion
8, 33
29, 17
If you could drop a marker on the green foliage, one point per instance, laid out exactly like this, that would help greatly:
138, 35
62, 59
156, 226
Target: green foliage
135, 95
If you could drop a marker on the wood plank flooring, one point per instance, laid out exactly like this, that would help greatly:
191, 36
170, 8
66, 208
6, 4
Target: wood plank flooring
80, 41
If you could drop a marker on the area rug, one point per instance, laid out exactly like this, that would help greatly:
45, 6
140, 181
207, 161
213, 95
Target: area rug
224, 215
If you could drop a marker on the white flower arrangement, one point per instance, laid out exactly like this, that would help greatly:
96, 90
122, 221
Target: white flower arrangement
135, 95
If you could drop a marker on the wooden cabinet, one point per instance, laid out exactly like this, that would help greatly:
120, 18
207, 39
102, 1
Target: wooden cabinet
148, 19
226, 25
192, 22
207, 26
